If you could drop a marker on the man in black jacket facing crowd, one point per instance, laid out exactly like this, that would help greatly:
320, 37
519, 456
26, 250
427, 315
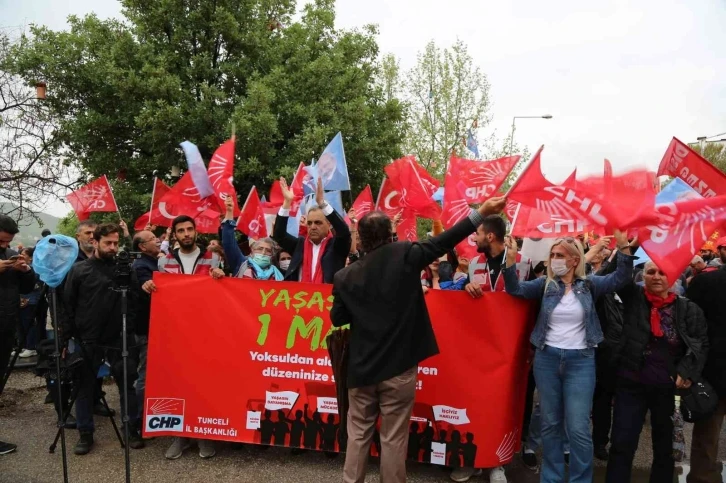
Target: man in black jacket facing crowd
16, 278
95, 321
380, 297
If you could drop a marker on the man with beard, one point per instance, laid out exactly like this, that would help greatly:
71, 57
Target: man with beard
484, 277
188, 259
94, 320
16, 278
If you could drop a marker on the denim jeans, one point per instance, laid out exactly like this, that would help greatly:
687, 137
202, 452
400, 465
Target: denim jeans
534, 437
566, 383
142, 341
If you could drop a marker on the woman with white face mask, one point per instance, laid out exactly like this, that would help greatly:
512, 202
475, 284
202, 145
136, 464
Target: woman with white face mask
566, 334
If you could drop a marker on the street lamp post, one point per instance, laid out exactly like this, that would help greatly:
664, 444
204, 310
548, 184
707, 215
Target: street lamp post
514, 119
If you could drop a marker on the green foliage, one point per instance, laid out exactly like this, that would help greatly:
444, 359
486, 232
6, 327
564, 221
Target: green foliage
68, 225
127, 93
715, 152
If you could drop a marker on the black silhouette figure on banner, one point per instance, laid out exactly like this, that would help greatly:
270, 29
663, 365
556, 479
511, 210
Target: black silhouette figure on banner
298, 427
281, 428
414, 441
267, 427
427, 438
454, 449
442, 437
312, 429
329, 432
468, 449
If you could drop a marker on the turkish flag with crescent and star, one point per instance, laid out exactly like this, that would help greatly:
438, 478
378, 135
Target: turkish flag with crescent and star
154, 217
251, 220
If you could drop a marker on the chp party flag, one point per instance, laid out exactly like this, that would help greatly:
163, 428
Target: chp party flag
198, 171
96, 196
184, 199
680, 161
479, 180
681, 230
251, 220
154, 216
221, 174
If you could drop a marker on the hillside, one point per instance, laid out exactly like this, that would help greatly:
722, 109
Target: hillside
30, 229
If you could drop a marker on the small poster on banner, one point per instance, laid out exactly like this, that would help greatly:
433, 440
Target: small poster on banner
253, 419
280, 400
328, 405
438, 453
450, 415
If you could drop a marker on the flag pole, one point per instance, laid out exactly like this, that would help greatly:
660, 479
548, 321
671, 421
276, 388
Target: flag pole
153, 193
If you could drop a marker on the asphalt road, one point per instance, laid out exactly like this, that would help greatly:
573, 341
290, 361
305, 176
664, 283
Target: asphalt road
29, 423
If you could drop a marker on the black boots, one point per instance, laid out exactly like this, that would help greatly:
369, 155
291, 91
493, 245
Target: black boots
84, 445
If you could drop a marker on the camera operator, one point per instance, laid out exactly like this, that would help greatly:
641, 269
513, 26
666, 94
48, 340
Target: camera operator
16, 278
149, 246
95, 322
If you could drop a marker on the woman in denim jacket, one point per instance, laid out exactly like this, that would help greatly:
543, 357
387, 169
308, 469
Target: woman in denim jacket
565, 335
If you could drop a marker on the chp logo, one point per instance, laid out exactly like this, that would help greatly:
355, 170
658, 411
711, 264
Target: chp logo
164, 414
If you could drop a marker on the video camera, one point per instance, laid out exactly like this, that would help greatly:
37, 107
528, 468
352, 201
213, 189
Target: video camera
124, 259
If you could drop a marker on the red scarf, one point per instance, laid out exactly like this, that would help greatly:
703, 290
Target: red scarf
657, 303
307, 262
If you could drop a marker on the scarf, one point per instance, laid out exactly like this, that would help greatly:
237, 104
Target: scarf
307, 263
265, 273
656, 303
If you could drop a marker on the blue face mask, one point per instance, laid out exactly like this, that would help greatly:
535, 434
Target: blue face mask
263, 261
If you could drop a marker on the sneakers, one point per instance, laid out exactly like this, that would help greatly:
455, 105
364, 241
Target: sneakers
25, 353
177, 448
84, 445
464, 474
530, 460
135, 439
6, 448
206, 448
497, 475
601, 453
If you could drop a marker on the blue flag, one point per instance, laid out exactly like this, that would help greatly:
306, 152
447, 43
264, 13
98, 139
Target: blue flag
471, 144
331, 166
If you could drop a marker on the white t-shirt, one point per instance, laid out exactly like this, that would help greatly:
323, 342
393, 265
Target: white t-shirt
566, 329
188, 260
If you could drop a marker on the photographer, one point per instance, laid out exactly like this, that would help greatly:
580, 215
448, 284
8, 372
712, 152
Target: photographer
16, 278
145, 266
94, 321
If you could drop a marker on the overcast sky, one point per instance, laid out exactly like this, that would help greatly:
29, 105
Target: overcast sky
619, 77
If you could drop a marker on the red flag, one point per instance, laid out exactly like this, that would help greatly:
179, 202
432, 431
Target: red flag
363, 204
530, 222
480, 179
96, 196
416, 186
455, 203
297, 182
154, 217
682, 228
183, 199
680, 161
251, 220
389, 201
221, 174
207, 221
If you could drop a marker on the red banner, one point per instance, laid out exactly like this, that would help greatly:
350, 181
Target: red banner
245, 360
96, 196
680, 161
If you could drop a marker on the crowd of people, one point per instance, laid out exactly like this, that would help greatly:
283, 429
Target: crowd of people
613, 338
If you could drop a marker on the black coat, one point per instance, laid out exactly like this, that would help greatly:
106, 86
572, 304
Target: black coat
380, 296
12, 284
690, 325
93, 310
334, 257
706, 291
144, 268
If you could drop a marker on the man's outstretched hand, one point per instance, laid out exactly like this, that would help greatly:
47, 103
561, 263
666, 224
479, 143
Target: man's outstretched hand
493, 206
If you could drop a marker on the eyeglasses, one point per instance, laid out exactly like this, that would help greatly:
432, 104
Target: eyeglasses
264, 250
